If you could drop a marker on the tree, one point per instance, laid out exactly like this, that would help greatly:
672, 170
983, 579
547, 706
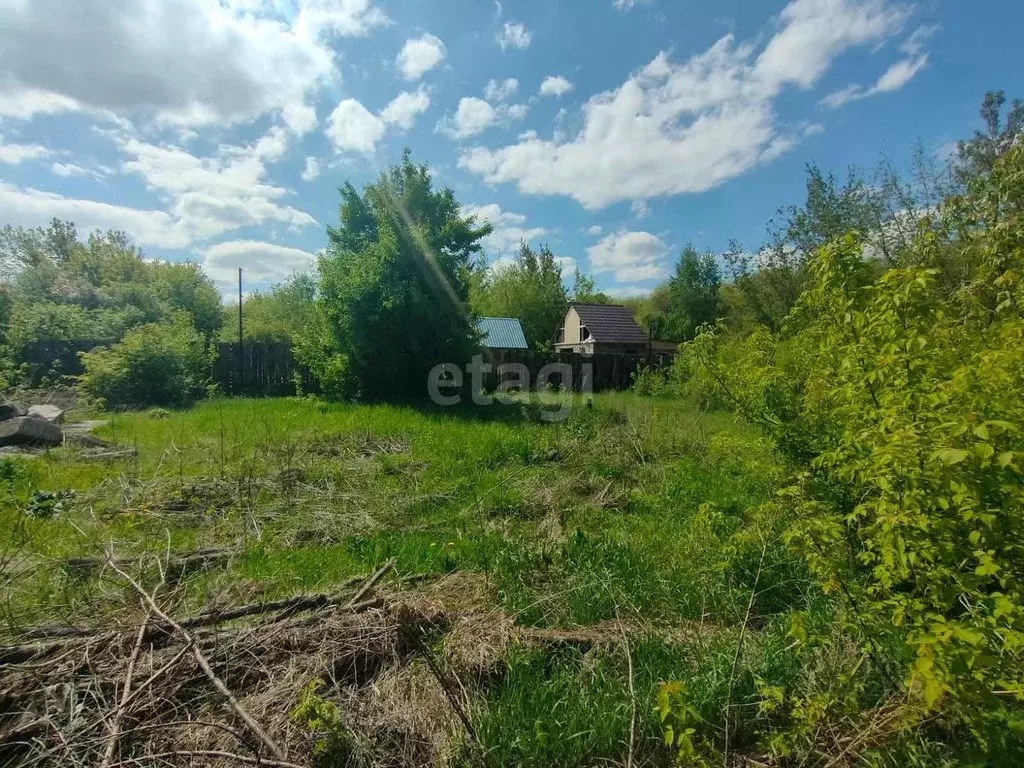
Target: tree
977, 156
394, 284
283, 313
530, 289
693, 298
584, 291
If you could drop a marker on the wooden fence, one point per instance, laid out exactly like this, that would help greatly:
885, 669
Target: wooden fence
270, 369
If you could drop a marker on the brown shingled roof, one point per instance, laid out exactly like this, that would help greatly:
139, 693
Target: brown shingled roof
610, 323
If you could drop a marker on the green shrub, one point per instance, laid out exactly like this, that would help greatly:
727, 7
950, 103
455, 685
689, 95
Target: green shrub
155, 364
897, 399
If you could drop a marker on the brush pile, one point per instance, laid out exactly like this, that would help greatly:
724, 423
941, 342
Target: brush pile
235, 686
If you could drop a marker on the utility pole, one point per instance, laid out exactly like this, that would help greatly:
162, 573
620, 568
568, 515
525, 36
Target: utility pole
241, 362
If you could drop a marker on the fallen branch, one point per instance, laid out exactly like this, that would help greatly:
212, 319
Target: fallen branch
208, 753
204, 665
115, 726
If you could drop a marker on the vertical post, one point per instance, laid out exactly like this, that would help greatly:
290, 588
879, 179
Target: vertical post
241, 360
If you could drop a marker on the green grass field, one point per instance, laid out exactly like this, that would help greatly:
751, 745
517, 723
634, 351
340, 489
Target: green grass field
636, 513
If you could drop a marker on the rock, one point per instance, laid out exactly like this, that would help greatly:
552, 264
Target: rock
12, 410
50, 413
28, 430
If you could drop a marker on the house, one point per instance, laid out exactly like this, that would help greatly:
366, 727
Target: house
590, 328
501, 333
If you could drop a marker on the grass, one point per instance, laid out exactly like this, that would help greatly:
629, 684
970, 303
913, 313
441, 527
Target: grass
637, 510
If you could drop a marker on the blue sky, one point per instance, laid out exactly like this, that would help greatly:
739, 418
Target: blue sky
613, 130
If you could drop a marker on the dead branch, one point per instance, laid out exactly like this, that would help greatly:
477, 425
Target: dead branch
250, 723
115, 725
209, 753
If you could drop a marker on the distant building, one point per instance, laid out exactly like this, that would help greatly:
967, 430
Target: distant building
502, 333
590, 328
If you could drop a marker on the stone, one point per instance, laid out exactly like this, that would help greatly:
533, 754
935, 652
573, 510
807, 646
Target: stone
50, 413
12, 411
28, 430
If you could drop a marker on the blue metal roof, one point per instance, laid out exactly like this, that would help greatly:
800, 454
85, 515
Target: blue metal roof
502, 333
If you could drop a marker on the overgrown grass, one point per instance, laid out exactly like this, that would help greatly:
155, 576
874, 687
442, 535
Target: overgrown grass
636, 512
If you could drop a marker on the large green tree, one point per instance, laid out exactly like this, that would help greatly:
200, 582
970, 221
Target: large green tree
530, 289
394, 287
693, 298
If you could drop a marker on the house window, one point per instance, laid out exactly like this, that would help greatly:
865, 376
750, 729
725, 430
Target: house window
561, 335
584, 333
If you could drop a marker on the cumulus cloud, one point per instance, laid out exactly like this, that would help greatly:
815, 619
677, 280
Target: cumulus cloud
501, 91
311, 169
555, 85
27, 207
185, 62
509, 228
353, 128
514, 35
594, 230
212, 195
263, 264
16, 154
630, 256
677, 128
72, 170
420, 55
404, 109
473, 115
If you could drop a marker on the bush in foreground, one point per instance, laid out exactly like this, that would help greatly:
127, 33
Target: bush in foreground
155, 364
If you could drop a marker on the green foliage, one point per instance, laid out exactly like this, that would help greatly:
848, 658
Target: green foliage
332, 745
693, 298
284, 313
529, 289
47, 504
978, 155
155, 364
394, 287
61, 289
584, 291
897, 399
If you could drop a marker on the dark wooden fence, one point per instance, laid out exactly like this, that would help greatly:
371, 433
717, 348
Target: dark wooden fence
260, 369
269, 369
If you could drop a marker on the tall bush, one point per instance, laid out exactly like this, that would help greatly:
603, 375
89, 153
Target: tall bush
155, 364
898, 400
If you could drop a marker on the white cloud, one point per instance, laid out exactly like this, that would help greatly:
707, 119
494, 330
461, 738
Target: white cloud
555, 85
184, 62
311, 170
894, 78
404, 109
419, 56
630, 256
568, 265
16, 154
502, 91
301, 118
677, 128
72, 170
514, 34
32, 207
352, 127
625, 5
472, 117
640, 209
509, 228
263, 264
220, 193
594, 230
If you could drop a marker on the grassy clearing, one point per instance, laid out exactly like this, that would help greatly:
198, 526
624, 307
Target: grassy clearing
634, 513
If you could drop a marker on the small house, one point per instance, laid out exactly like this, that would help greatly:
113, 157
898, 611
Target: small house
501, 333
606, 328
